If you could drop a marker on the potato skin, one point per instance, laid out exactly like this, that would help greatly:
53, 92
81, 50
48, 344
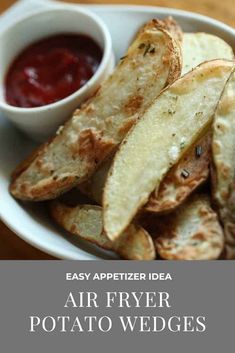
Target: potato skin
85, 221
95, 130
192, 232
183, 111
189, 173
175, 189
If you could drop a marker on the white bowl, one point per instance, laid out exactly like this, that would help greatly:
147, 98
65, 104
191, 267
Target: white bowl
40, 122
31, 222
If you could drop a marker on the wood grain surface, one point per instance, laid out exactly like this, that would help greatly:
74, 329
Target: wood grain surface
12, 247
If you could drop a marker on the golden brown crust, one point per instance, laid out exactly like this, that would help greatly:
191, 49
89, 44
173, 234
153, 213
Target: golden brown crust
169, 25
93, 146
190, 172
133, 104
124, 129
147, 153
85, 221
20, 168
34, 193
135, 244
173, 27
192, 232
73, 219
174, 61
100, 125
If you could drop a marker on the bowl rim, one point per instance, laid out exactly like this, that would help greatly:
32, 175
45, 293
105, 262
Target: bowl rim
106, 55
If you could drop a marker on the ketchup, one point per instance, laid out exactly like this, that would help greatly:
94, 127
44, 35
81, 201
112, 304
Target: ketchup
51, 69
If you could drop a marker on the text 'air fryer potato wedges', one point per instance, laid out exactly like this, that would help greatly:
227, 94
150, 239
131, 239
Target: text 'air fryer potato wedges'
223, 147
192, 232
152, 62
85, 221
174, 121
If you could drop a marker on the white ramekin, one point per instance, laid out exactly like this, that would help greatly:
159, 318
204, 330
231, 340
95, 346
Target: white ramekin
40, 122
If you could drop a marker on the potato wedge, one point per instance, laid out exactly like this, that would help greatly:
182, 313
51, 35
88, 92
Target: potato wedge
26, 162
223, 181
200, 47
169, 24
174, 121
193, 232
189, 173
85, 221
152, 62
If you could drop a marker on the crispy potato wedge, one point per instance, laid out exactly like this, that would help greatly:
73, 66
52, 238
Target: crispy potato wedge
26, 162
192, 232
175, 188
223, 171
85, 221
189, 173
152, 62
174, 121
200, 47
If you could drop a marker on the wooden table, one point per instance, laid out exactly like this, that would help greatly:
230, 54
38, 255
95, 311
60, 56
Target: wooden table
12, 247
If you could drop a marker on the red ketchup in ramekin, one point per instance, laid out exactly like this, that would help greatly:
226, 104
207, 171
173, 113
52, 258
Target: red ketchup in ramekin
51, 69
